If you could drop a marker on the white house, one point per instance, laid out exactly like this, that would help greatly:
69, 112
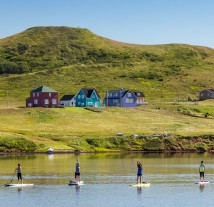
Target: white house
68, 100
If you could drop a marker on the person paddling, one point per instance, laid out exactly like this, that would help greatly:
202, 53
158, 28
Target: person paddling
139, 171
201, 171
77, 171
19, 173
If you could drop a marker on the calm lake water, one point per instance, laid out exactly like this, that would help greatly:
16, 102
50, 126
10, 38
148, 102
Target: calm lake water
107, 178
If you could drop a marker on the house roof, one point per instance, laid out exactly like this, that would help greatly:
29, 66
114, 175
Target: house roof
122, 91
67, 97
43, 89
89, 91
139, 94
209, 90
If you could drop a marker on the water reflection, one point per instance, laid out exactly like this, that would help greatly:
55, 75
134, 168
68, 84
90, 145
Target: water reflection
139, 190
201, 187
50, 156
77, 188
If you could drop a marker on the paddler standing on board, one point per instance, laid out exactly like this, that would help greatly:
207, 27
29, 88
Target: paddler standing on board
77, 171
201, 171
19, 173
139, 172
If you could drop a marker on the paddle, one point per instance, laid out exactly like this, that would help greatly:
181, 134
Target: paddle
11, 179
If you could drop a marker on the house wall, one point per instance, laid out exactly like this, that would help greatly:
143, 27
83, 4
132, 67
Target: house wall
93, 101
140, 100
129, 100
112, 102
80, 99
43, 99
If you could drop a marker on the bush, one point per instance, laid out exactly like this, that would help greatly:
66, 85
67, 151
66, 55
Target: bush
17, 144
153, 144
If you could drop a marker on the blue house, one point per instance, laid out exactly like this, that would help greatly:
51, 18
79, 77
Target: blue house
120, 98
87, 98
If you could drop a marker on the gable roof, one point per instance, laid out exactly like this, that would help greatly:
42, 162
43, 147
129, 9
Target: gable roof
139, 94
89, 91
209, 90
67, 97
122, 92
43, 89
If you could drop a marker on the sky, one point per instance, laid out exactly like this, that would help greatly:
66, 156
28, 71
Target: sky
145, 22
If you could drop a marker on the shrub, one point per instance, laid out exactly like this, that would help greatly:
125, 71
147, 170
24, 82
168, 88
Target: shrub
17, 144
153, 144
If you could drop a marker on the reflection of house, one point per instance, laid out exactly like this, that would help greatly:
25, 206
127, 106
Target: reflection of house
87, 97
120, 98
140, 98
43, 97
68, 100
206, 94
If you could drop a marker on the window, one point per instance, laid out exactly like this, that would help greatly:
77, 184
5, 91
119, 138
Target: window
35, 101
49, 94
131, 100
90, 104
37, 94
115, 101
79, 96
110, 94
127, 100
83, 96
33, 94
202, 94
138, 94
129, 95
46, 101
54, 101
116, 94
92, 96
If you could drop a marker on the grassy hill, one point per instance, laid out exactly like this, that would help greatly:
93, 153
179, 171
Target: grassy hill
66, 59
69, 58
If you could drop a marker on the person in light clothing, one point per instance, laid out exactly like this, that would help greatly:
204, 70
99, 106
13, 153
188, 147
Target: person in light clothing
201, 171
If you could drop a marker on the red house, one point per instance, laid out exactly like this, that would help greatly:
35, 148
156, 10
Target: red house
43, 97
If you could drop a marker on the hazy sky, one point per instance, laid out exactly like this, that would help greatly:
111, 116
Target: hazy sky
132, 21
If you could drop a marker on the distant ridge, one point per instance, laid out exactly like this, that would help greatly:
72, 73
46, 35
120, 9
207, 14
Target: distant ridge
39, 48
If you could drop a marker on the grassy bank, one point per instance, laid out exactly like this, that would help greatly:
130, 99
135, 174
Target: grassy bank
89, 130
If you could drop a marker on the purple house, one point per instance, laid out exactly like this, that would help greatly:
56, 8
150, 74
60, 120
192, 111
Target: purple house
120, 98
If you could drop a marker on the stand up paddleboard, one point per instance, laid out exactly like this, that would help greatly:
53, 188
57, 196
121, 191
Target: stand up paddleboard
75, 183
143, 184
202, 182
18, 185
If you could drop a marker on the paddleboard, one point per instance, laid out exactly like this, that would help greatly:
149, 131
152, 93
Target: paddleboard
76, 183
143, 184
18, 185
202, 182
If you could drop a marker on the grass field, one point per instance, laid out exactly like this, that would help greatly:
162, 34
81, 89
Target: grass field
70, 127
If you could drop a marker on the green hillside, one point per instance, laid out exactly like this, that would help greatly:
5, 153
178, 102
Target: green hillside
66, 59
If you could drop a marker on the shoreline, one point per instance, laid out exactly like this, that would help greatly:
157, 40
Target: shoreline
107, 152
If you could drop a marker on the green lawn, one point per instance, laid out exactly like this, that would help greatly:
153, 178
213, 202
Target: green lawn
58, 127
